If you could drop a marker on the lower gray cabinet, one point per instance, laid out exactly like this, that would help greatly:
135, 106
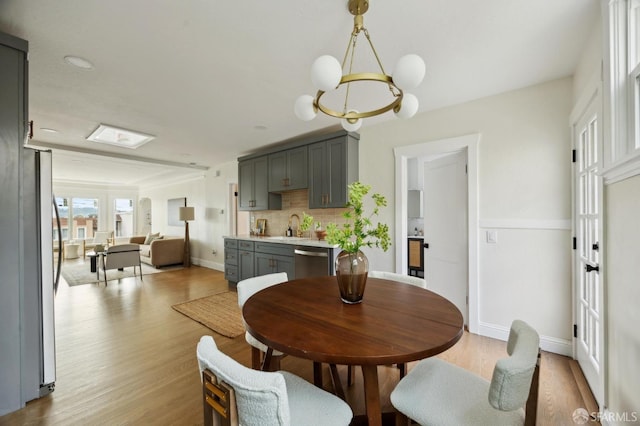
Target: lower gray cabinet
271, 258
271, 263
246, 259
231, 260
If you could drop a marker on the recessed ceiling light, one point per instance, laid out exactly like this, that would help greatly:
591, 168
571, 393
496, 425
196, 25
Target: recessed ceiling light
48, 130
79, 62
119, 137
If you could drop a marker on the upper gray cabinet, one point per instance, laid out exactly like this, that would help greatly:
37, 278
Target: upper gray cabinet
325, 164
333, 164
253, 190
288, 170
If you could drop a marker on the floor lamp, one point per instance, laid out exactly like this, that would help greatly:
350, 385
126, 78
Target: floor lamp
186, 214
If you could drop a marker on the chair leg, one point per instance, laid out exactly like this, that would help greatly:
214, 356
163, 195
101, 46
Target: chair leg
337, 383
256, 358
401, 419
351, 375
317, 374
104, 271
403, 370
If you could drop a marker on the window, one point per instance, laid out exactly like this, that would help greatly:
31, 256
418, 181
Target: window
633, 42
85, 217
622, 76
63, 213
124, 217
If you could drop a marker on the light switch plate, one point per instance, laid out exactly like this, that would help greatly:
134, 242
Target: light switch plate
492, 236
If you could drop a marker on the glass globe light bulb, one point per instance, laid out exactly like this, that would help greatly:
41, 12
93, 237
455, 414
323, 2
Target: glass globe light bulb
408, 106
326, 73
409, 72
351, 126
304, 109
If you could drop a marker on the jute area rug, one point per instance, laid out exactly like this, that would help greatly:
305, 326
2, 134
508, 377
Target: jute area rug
219, 312
80, 273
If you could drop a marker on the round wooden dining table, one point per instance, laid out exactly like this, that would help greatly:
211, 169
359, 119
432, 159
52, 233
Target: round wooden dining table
395, 323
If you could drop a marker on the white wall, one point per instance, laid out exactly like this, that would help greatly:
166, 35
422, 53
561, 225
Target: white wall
622, 209
208, 194
524, 193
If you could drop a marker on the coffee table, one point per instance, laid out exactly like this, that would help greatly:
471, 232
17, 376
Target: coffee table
93, 257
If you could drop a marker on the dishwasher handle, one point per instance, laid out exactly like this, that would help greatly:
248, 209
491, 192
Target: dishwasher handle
311, 253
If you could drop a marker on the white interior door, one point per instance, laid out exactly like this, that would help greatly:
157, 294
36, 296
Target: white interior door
445, 226
588, 283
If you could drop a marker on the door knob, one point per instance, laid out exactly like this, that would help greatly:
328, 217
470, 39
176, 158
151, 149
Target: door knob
426, 245
595, 247
590, 268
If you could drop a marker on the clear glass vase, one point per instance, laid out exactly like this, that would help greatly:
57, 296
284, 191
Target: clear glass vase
351, 272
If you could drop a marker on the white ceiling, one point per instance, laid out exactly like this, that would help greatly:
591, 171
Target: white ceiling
213, 80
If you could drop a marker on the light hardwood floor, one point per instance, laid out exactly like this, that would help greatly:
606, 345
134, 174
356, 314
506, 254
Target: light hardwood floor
125, 357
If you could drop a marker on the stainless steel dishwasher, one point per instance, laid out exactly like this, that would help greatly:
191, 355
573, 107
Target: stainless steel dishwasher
313, 261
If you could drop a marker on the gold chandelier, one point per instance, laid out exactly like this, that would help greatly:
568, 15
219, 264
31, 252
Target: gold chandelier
327, 76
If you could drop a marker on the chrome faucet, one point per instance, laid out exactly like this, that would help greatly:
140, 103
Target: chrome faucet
298, 232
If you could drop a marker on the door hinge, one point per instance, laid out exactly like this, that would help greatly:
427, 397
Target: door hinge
575, 330
574, 155
466, 169
575, 243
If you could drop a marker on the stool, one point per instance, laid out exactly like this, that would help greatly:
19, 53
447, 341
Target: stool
71, 251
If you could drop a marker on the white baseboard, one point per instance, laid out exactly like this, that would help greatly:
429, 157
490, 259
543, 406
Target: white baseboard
208, 264
548, 344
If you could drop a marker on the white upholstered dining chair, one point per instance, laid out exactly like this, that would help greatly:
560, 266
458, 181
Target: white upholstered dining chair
246, 289
241, 395
406, 279
438, 393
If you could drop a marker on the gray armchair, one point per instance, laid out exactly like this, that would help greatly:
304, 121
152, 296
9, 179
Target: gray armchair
121, 256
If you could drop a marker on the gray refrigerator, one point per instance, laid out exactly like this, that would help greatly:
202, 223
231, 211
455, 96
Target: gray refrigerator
40, 279
27, 348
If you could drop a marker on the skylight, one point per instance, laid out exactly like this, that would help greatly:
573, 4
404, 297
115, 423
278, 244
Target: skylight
119, 137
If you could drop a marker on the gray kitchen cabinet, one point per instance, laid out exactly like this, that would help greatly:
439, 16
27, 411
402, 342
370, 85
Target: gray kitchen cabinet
245, 260
238, 260
271, 258
253, 185
231, 260
333, 164
288, 170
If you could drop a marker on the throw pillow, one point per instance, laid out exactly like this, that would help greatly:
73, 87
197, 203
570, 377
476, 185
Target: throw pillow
153, 238
150, 237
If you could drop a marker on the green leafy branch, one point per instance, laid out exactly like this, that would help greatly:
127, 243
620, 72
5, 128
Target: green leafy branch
358, 230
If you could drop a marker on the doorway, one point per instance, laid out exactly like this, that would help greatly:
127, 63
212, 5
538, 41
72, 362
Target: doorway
445, 228
588, 285
469, 145
239, 221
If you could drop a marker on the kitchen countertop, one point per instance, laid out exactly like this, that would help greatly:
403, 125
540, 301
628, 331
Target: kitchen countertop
421, 237
296, 241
